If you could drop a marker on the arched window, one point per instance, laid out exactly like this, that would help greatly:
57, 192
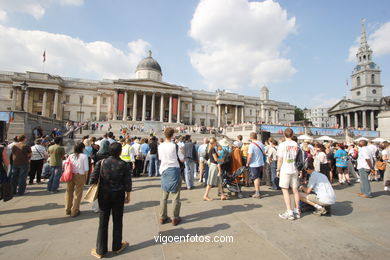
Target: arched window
364, 57
358, 81
372, 79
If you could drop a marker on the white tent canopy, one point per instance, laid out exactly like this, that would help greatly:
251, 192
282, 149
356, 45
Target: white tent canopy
305, 137
379, 140
360, 139
325, 138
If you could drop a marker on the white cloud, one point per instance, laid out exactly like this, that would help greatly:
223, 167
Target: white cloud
379, 42
36, 8
3, 15
22, 50
240, 43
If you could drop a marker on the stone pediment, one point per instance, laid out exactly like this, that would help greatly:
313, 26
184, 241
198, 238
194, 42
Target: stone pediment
344, 105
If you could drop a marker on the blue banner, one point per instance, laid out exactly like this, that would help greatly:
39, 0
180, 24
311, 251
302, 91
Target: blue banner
325, 131
278, 129
365, 133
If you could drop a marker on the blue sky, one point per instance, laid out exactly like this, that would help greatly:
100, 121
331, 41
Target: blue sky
305, 62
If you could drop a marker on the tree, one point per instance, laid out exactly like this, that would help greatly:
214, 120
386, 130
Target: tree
299, 115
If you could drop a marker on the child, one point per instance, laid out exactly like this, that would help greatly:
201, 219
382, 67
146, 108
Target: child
221, 153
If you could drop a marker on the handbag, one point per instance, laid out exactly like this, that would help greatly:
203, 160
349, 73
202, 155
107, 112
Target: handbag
67, 174
92, 193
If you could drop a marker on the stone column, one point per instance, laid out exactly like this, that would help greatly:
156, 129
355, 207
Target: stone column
109, 114
342, 120
262, 113
178, 109
143, 107
98, 106
170, 109
356, 120
348, 120
115, 114
372, 120
44, 103
55, 110
25, 101
162, 108
364, 119
219, 115
266, 116
153, 107
191, 113
135, 98
236, 115
277, 116
242, 114
273, 116
125, 106
14, 96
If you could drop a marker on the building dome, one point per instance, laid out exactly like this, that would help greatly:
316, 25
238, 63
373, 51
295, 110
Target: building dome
148, 68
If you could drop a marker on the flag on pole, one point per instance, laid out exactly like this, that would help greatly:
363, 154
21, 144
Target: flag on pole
44, 55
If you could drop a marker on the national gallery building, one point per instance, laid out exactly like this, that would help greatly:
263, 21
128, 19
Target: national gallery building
145, 98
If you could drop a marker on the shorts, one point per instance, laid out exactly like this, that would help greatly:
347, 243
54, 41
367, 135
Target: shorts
341, 170
213, 178
313, 198
256, 172
288, 180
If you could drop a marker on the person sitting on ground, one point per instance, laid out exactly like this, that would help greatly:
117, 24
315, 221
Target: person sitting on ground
323, 196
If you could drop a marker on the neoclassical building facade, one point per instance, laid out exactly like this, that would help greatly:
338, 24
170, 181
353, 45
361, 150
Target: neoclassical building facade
145, 98
362, 109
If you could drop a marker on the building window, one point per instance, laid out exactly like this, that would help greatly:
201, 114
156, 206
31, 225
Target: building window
104, 101
364, 57
66, 115
193, 107
202, 108
40, 97
11, 95
250, 112
94, 100
81, 99
358, 81
358, 93
372, 79
202, 122
186, 106
374, 91
67, 98
212, 109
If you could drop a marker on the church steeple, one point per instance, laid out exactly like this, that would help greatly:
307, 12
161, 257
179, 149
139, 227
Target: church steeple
364, 54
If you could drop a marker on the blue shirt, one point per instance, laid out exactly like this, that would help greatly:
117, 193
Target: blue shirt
341, 157
257, 154
145, 149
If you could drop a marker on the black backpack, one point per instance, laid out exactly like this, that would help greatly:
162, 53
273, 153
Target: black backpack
227, 157
301, 160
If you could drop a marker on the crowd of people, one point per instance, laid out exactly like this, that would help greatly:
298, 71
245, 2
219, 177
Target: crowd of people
308, 170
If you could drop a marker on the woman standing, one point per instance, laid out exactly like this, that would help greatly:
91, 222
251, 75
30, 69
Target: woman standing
38, 156
386, 158
321, 158
214, 178
114, 177
74, 188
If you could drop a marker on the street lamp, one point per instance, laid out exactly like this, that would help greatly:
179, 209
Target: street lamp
24, 87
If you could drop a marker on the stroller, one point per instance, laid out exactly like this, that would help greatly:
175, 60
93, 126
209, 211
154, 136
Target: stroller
230, 182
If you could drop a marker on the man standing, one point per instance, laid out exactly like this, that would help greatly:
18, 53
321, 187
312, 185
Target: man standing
21, 154
256, 162
365, 166
128, 154
153, 156
57, 154
288, 174
189, 162
170, 177
203, 166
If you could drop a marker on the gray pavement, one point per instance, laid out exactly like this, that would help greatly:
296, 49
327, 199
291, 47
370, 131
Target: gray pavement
34, 226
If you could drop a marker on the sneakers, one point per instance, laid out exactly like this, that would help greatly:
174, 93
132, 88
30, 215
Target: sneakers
387, 188
358, 180
286, 215
319, 212
297, 213
256, 196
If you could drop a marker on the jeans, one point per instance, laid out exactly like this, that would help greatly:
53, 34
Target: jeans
153, 162
110, 202
19, 177
273, 166
205, 172
365, 187
189, 172
54, 180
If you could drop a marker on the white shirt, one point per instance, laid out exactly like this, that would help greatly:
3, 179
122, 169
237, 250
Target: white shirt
168, 156
364, 153
322, 187
79, 164
372, 148
38, 152
321, 156
288, 151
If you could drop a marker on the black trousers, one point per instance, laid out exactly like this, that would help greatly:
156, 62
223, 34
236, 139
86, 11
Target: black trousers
110, 202
35, 169
138, 167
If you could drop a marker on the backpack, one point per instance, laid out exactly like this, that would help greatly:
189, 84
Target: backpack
301, 160
203, 154
227, 157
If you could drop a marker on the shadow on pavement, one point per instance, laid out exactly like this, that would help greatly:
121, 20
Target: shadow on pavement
47, 206
380, 193
12, 242
342, 208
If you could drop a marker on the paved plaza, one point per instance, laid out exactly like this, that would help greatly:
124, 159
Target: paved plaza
34, 226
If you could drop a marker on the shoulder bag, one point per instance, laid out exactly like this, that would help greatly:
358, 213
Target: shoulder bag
92, 193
